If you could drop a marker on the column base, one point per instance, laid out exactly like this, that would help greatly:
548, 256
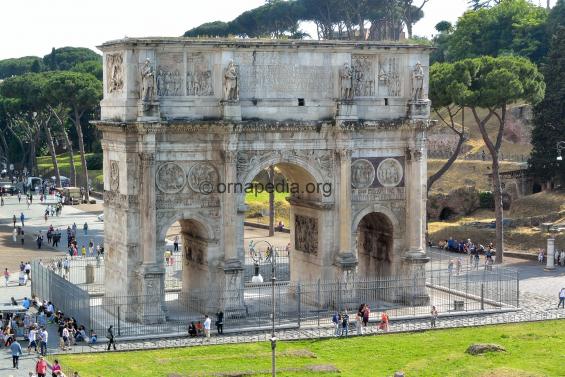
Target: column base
149, 307
232, 301
549, 269
231, 110
416, 293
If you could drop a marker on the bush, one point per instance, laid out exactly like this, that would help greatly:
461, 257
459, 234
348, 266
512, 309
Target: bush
94, 161
486, 200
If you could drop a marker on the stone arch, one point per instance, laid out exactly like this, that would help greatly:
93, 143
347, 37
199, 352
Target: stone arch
166, 220
377, 242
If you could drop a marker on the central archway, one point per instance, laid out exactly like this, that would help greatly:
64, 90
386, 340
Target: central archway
375, 236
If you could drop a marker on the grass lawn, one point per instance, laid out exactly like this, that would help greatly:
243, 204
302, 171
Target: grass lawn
533, 349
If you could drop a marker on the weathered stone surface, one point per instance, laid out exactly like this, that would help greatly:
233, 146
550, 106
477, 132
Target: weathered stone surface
480, 348
186, 121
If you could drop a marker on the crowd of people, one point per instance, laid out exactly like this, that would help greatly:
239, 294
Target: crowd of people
558, 256
473, 250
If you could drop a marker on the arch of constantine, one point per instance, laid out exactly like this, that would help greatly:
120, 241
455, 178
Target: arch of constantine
187, 122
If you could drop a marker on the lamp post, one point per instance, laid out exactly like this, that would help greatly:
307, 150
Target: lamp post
273, 279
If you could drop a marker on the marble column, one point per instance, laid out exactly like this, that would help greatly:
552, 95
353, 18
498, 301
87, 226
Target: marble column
346, 259
232, 300
151, 272
550, 264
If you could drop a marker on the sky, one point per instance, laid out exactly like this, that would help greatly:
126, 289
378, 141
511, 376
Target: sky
33, 27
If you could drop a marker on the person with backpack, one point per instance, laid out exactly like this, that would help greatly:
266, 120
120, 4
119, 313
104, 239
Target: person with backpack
110, 336
336, 320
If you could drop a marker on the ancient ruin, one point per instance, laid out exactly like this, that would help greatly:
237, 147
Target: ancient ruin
185, 121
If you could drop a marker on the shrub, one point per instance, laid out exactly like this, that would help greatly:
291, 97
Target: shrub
94, 161
486, 200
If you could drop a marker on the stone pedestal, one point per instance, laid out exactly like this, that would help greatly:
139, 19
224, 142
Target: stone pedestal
232, 302
150, 308
419, 109
413, 267
346, 110
148, 111
231, 110
347, 263
550, 266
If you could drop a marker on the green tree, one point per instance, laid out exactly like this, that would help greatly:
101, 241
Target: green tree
66, 58
94, 67
443, 88
549, 115
512, 27
492, 84
81, 93
210, 29
19, 66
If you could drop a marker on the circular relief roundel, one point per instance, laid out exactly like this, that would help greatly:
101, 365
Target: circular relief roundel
390, 172
362, 173
203, 177
170, 178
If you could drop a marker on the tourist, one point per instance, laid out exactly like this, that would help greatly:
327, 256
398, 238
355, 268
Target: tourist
561, 298
384, 322
110, 336
345, 324
43, 339
176, 244
16, 350
540, 255
85, 228
358, 321
32, 336
207, 325
366, 314
14, 220
64, 333
56, 369
22, 236
6, 277
27, 270
22, 218
450, 267
41, 367
220, 322
93, 337
83, 251
19, 197
459, 264
39, 240
433, 317
192, 330
562, 254
336, 320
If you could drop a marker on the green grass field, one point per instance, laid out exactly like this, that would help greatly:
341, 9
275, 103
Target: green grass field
533, 349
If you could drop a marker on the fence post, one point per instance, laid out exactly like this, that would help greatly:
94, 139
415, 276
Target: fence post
482, 296
339, 295
517, 289
319, 302
299, 302
119, 328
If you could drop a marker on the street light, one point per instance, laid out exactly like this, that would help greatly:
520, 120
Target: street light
560, 147
273, 279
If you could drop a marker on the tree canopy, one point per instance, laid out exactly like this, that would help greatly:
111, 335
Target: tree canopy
65, 58
515, 27
19, 66
334, 19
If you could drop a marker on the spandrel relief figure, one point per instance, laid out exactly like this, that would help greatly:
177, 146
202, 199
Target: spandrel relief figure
147, 81
231, 89
346, 77
418, 82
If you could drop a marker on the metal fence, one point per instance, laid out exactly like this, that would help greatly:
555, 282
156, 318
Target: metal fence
298, 304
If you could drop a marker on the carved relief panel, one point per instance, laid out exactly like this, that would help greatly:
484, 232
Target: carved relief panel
199, 77
389, 77
363, 75
168, 75
114, 72
306, 234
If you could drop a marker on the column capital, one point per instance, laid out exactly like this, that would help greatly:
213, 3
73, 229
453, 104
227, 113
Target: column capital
344, 153
147, 158
229, 156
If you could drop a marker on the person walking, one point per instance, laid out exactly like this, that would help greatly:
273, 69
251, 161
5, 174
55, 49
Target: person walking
19, 197
32, 336
384, 322
366, 314
22, 236
359, 322
43, 339
561, 298
16, 350
14, 220
220, 322
22, 218
207, 325
110, 336
176, 244
41, 367
85, 228
434, 317
6, 277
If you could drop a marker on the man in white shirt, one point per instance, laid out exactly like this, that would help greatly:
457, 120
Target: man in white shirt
32, 340
207, 325
561, 298
44, 337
